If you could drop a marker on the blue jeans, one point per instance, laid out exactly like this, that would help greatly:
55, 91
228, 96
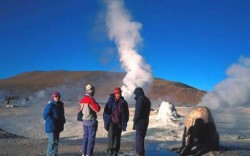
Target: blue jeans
53, 139
88, 141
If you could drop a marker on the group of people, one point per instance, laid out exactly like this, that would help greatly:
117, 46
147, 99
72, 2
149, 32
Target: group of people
115, 116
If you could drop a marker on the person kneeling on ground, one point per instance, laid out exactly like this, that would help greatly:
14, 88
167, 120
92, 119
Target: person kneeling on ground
200, 137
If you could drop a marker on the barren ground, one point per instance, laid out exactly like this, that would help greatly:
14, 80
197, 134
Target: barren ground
22, 133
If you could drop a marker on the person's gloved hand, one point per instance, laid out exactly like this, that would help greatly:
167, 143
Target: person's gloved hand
124, 127
106, 127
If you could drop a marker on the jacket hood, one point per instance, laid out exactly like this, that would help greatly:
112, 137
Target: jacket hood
138, 92
55, 103
112, 96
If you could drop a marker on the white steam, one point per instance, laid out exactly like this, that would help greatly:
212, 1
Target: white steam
234, 90
125, 33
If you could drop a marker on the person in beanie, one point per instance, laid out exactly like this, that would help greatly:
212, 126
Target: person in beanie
89, 108
55, 119
115, 118
141, 119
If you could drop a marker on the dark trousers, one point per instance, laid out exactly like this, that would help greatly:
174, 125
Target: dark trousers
88, 142
139, 138
114, 137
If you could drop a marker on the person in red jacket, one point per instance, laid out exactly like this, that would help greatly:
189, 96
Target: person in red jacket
89, 108
115, 116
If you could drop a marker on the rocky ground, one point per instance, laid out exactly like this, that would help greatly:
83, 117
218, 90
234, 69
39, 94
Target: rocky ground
161, 137
14, 145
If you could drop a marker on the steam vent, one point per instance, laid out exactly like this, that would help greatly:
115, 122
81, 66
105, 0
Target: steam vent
200, 134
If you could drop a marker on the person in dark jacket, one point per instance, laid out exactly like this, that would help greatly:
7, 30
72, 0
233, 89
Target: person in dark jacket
141, 119
89, 108
115, 116
55, 119
7, 100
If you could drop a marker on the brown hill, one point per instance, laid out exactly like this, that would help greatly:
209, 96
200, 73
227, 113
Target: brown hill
28, 83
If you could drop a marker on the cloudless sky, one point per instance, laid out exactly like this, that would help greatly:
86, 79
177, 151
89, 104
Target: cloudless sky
188, 41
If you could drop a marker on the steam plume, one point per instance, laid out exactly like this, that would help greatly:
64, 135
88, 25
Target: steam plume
125, 33
234, 90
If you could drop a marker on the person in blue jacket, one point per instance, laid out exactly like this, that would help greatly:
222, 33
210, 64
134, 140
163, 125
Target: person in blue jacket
141, 119
116, 116
55, 119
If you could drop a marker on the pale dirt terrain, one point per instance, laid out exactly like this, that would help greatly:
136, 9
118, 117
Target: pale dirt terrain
26, 137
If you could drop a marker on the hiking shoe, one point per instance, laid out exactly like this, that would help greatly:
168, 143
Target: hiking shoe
110, 153
114, 154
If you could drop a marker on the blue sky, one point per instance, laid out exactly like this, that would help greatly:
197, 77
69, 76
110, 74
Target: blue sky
188, 41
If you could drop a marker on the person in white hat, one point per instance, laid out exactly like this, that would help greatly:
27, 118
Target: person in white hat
89, 108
